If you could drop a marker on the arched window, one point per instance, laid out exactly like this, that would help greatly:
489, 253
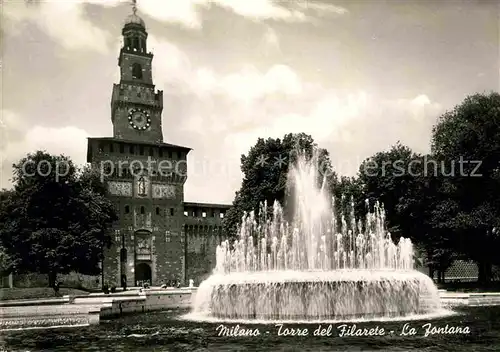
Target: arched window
157, 211
143, 210
136, 71
127, 209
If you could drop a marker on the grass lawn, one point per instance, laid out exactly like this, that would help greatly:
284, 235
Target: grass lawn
36, 292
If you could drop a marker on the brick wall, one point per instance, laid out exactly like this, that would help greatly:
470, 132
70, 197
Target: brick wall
203, 230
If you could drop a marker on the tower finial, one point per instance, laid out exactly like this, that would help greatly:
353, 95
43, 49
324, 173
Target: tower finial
134, 6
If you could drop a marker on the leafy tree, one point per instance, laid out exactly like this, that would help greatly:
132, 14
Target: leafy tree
265, 172
57, 219
387, 177
466, 141
350, 198
408, 186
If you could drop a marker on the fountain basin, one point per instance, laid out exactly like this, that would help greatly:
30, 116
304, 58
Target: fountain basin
313, 295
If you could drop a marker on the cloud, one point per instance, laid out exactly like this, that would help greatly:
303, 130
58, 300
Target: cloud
249, 84
63, 21
23, 139
187, 12
321, 8
221, 114
241, 106
271, 38
262, 9
184, 12
351, 127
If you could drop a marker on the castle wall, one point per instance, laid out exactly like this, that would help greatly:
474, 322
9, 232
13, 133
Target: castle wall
203, 228
150, 229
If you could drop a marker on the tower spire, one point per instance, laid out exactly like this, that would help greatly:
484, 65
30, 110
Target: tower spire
134, 6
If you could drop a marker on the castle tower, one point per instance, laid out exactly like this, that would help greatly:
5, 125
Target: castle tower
135, 106
145, 176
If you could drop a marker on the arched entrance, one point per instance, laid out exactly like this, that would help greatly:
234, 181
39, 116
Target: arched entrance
142, 273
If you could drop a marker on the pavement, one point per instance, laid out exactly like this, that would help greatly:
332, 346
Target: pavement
86, 309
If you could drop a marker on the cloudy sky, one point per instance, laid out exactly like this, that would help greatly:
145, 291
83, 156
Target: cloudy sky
356, 75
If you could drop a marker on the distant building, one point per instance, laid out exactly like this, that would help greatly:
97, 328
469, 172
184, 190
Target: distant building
158, 237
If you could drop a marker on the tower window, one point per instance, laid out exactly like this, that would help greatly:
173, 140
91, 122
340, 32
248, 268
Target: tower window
143, 211
136, 71
127, 209
171, 211
157, 210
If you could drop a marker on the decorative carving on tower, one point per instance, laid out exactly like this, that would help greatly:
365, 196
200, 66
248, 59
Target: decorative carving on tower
163, 191
119, 188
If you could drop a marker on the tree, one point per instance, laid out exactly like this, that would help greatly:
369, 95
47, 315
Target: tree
408, 186
350, 198
387, 177
265, 173
466, 141
57, 218
5, 260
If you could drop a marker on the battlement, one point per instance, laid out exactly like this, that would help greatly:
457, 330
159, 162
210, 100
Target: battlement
206, 213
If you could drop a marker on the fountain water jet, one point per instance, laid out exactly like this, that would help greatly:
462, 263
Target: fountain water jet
319, 266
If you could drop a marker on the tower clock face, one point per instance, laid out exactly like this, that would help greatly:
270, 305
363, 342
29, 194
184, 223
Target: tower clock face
139, 119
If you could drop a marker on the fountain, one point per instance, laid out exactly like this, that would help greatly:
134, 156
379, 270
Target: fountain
319, 266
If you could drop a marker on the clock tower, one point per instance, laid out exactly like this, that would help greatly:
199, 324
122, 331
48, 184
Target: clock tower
135, 105
144, 175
